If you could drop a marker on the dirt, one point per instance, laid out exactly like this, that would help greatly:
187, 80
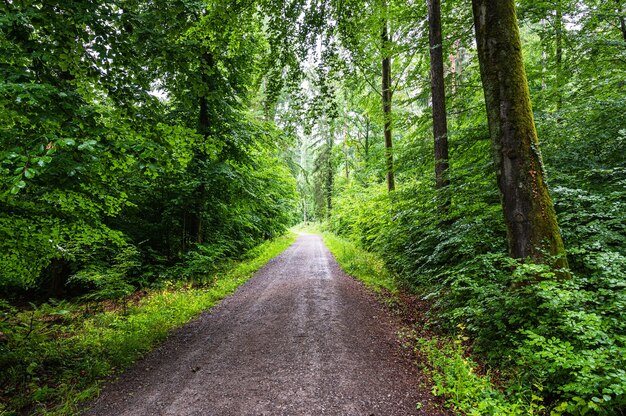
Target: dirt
299, 338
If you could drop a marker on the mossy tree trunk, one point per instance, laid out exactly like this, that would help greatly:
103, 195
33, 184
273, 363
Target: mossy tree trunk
440, 123
528, 211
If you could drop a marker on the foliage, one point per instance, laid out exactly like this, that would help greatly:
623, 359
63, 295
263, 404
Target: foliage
455, 377
144, 142
56, 356
357, 262
105, 146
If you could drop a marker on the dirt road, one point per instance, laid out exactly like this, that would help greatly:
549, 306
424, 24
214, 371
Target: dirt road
299, 338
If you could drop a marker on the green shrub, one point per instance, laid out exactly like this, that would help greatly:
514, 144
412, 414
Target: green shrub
455, 377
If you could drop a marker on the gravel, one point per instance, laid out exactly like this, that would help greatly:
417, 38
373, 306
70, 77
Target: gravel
299, 338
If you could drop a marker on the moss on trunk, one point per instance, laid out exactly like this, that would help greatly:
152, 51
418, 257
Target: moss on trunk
529, 214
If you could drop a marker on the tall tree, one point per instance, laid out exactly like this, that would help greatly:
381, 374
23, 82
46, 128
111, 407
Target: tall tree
440, 125
622, 20
558, 46
528, 211
387, 95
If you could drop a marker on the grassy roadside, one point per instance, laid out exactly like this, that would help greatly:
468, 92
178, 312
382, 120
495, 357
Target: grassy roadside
454, 375
365, 266
56, 356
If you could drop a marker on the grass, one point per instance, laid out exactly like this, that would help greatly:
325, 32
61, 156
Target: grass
308, 228
365, 266
56, 356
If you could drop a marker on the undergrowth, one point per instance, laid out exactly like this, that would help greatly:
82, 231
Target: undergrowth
365, 266
56, 355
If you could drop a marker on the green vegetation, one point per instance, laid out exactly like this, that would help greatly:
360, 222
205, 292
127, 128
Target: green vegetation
454, 377
547, 331
135, 164
57, 355
144, 142
365, 266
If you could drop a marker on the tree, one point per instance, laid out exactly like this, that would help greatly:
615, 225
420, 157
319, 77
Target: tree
440, 127
622, 20
528, 211
386, 96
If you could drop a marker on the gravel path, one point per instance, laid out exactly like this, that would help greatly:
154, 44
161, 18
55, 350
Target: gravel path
299, 338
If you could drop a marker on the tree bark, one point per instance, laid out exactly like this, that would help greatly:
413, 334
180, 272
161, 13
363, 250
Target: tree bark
367, 140
329, 174
558, 24
387, 95
528, 211
345, 151
440, 125
204, 124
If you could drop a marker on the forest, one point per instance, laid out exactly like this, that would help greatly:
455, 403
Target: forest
477, 148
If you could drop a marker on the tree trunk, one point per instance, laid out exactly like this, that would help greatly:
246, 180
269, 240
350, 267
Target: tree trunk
440, 125
621, 10
204, 124
528, 211
329, 174
345, 151
544, 59
558, 24
386, 90
367, 140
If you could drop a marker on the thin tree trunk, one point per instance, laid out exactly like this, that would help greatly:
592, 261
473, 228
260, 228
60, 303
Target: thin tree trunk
329, 175
204, 124
558, 24
345, 151
528, 211
454, 59
544, 58
387, 95
622, 19
367, 139
440, 126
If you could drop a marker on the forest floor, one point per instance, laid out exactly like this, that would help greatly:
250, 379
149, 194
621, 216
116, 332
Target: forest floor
299, 338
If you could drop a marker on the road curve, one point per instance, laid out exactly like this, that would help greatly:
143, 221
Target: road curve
299, 338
